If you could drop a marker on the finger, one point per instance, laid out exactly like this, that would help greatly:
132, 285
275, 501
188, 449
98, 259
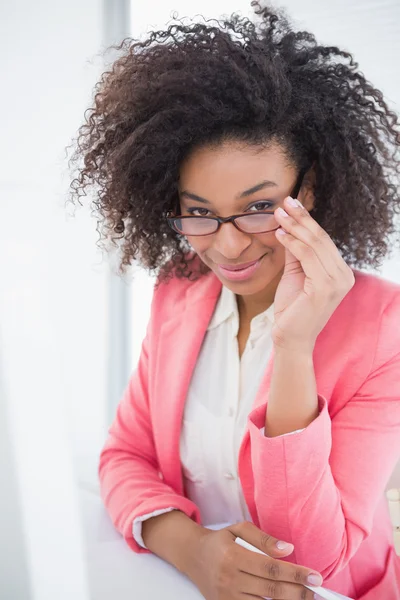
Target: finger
303, 217
339, 267
309, 261
267, 566
274, 569
302, 226
269, 588
264, 542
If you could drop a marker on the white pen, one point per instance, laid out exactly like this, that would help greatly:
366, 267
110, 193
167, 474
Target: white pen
322, 592
393, 496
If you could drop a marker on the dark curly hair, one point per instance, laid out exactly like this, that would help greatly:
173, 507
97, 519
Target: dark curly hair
234, 79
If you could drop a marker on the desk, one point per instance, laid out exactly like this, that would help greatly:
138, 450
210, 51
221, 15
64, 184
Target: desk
116, 572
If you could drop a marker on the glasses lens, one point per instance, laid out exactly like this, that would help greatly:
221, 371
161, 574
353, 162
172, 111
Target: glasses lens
196, 226
252, 223
257, 223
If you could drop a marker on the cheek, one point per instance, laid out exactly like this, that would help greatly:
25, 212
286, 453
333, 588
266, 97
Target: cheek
202, 244
198, 243
268, 241
276, 251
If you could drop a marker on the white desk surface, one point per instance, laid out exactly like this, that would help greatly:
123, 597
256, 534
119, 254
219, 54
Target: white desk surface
116, 572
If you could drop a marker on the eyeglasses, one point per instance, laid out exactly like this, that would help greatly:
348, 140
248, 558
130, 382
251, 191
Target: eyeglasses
255, 222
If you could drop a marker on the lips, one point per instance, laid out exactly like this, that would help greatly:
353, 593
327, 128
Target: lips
238, 267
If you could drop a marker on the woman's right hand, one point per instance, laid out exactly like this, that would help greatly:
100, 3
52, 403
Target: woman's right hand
223, 570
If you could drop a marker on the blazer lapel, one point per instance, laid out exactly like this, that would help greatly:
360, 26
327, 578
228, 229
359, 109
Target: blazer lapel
178, 348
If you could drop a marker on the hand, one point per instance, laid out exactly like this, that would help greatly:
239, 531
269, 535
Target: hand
223, 570
314, 282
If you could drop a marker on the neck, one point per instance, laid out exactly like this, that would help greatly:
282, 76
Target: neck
251, 306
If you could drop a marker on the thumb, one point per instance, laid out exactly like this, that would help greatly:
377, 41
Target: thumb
262, 541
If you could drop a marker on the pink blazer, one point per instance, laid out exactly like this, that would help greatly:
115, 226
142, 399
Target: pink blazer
321, 489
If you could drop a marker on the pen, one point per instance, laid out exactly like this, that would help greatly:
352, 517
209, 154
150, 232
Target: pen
322, 592
393, 497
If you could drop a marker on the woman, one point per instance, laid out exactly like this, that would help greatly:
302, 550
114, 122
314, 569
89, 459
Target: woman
267, 394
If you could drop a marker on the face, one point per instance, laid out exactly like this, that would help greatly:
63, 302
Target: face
218, 177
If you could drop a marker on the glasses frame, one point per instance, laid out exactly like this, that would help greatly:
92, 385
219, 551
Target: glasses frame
171, 218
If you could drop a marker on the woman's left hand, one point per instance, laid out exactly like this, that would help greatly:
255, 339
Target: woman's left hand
314, 282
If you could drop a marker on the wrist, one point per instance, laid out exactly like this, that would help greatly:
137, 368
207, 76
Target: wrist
174, 537
189, 558
302, 351
293, 397
295, 355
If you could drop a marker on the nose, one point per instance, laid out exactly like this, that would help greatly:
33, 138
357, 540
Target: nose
229, 242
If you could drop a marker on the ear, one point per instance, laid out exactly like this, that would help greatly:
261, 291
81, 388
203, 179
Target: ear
306, 195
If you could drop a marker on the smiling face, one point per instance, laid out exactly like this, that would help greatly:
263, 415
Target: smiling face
218, 177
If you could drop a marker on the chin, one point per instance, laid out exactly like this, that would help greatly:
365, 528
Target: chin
246, 288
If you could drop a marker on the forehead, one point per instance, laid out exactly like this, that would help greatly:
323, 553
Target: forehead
234, 166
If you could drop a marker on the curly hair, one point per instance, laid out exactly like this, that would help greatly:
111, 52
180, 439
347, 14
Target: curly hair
197, 83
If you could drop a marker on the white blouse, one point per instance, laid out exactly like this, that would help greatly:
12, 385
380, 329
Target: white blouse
220, 397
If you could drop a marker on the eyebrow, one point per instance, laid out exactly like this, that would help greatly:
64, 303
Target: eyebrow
260, 186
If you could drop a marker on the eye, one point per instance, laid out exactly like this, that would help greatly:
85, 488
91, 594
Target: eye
260, 206
192, 212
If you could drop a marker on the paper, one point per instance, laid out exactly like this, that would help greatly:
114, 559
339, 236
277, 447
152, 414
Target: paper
322, 592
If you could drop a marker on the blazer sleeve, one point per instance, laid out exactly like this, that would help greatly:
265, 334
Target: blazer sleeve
129, 475
319, 489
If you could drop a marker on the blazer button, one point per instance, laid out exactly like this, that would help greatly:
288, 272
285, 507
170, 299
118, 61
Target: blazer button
229, 476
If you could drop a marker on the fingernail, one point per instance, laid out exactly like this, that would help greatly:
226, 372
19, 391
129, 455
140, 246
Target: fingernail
283, 545
282, 212
294, 202
314, 579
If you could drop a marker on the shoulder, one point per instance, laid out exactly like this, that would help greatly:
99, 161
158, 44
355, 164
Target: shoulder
374, 294
374, 283
174, 294
371, 311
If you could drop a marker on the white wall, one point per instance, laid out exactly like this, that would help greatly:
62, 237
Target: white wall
53, 301
48, 74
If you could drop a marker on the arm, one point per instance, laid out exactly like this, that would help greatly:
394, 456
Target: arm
319, 489
128, 469
173, 537
293, 398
